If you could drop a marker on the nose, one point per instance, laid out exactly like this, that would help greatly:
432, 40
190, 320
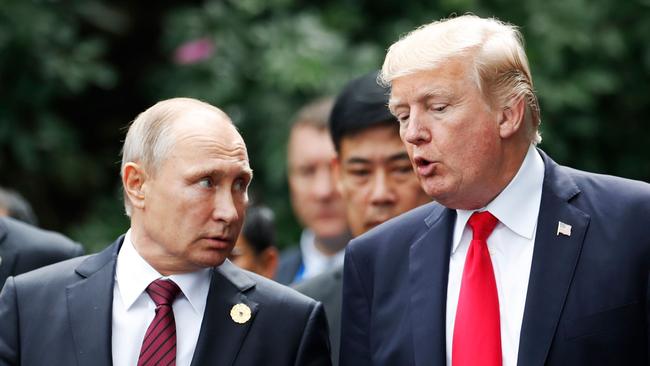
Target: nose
415, 131
381, 192
225, 207
323, 185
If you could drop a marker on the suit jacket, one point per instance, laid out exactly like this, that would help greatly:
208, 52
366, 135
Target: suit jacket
328, 288
24, 247
290, 264
588, 299
61, 315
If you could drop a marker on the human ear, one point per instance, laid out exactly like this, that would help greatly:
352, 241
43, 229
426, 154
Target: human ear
335, 167
269, 259
512, 118
133, 180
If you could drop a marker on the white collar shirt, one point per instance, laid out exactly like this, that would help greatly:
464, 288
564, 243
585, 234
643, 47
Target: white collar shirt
314, 261
133, 309
511, 251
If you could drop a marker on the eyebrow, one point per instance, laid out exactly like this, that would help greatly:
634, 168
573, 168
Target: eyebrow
428, 93
402, 155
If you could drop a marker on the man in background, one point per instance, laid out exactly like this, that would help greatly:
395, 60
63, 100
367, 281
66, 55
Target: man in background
316, 202
13, 204
255, 249
24, 247
372, 172
164, 293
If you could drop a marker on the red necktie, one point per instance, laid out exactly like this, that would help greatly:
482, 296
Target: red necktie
477, 333
159, 344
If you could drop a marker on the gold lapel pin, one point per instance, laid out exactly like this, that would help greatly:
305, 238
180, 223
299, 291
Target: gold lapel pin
240, 313
564, 229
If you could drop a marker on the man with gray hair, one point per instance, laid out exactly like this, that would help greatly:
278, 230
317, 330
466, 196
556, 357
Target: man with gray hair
520, 261
164, 293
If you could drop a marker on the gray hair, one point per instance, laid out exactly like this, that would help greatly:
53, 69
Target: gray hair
500, 64
150, 138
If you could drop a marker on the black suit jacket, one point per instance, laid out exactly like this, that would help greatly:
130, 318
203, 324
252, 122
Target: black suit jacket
24, 247
290, 264
327, 288
61, 315
588, 299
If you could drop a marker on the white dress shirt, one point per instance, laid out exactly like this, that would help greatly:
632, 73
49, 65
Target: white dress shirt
511, 251
314, 261
133, 309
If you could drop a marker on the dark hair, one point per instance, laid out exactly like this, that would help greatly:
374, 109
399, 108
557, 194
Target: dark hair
17, 206
259, 228
363, 103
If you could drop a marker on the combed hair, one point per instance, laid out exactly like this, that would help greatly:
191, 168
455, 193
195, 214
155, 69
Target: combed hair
150, 138
315, 114
500, 64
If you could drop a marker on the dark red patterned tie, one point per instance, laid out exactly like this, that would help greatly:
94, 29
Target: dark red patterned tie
477, 333
159, 344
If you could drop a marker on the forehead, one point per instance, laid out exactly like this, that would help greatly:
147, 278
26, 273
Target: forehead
308, 143
374, 143
208, 138
446, 80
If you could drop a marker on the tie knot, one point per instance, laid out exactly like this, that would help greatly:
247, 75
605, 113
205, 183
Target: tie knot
482, 224
163, 292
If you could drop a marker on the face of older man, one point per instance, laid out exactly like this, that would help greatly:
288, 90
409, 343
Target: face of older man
452, 135
193, 206
376, 178
314, 197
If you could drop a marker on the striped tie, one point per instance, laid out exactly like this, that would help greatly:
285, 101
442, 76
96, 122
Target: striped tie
159, 344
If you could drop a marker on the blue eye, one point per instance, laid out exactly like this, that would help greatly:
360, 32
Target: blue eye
206, 182
240, 185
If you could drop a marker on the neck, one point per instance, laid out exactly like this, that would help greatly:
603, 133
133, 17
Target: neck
332, 245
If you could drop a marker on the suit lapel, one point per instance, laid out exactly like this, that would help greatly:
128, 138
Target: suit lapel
428, 271
221, 337
90, 304
554, 260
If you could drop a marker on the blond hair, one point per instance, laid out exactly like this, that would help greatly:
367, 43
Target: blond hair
500, 65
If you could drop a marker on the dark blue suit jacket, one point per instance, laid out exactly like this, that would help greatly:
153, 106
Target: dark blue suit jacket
61, 315
24, 248
588, 299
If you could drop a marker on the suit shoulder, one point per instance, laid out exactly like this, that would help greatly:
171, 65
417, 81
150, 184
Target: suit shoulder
60, 273
396, 230
323, 283
33, 239
625, 192
270, 291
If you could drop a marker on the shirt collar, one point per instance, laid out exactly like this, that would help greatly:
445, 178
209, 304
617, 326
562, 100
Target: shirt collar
517, 206
133, 274
314, 258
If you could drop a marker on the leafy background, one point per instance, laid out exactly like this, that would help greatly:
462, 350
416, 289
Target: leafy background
74, 73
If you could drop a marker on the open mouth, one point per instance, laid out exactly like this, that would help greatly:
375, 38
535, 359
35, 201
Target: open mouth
424, 167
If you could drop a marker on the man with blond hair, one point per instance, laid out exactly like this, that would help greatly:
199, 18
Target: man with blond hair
317, 204
521, 261
164, 293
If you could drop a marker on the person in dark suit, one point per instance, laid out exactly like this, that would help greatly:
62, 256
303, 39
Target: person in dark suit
13, 204
165, 293
315, 200
521, 261
373, 174
24, 247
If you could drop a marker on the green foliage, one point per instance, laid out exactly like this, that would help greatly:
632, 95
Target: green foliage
59, 61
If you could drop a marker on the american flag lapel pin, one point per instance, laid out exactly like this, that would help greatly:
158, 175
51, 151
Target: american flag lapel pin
564, 229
